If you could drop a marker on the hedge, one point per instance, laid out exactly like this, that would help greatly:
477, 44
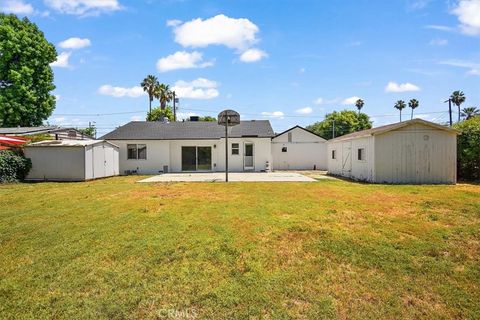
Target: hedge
13, 166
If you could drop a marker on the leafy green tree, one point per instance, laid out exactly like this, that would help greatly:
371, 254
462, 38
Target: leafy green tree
163, 93
468, 149
89, 131
208, 119
26, 78
470, 112
359, 104
458, 97
159, 114
413, 104
344, 122
149, 85
400, 105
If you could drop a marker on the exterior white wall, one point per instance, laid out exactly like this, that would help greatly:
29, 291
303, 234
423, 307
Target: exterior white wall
305, 152
158, 155
347, 164
416, 154
169, 152
56, 163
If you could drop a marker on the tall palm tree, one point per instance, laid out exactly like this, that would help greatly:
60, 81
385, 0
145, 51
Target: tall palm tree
458, 97
359, 104
413, 104
470, 112
163, 94
148, 84
400, 105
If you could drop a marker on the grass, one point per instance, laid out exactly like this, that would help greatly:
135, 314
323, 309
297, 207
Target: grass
116, 249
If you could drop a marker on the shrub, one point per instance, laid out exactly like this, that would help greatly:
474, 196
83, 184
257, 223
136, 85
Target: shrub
468, 149
13, 166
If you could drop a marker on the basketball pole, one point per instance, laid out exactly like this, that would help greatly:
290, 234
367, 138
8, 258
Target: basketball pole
226, 150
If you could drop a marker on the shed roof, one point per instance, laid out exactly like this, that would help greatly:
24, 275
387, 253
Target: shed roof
68, 143
188, 130
27, 130
299, 127
391, 127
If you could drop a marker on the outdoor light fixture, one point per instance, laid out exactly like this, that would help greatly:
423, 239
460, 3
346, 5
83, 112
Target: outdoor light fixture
228, 118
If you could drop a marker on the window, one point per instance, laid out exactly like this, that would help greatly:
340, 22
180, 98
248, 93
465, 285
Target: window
284, 149
136, 151
289, 137
334, 154
235, 149
361, 154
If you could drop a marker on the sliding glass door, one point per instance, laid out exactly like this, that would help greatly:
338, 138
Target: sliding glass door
196, 158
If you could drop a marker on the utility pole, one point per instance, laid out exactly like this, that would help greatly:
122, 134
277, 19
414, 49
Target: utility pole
333, 129
226, 148
449, 109
174, 108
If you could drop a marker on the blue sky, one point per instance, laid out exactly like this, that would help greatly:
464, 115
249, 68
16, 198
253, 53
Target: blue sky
288, 61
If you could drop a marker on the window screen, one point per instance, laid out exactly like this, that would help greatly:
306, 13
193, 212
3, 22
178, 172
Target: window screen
142, 151
361, 154
334, 154
284, 149
131, 151
235, 149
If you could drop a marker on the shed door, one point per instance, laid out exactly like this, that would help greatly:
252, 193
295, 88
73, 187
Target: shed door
346, 159
98, 161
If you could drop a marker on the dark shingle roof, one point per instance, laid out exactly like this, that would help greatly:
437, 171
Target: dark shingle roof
150, 130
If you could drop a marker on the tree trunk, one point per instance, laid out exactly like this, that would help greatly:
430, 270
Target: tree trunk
411, 118
150, 104
458, 113
400, 115
163, 104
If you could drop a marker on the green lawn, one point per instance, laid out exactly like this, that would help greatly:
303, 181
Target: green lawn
117, 249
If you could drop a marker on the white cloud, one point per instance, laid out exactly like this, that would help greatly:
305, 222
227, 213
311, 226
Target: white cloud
119, 92
136, 118
302, 70
354, 44
468, 13
16, 7
274, 114
350, 101
84, 7
318, 101
306, 110
173, 23
474, 67
233, 33
200, 88
438, 42
74, 43
439, 27
252, 55
402, 87
62, 60
182, 60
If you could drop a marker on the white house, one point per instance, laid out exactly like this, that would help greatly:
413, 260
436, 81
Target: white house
299, 149
410, 152
192, 146
72, 160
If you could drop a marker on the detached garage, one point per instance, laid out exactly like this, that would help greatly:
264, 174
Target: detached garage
299, 149
71, 160
409, 152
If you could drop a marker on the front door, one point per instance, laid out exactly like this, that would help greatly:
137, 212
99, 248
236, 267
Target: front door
196, 158
248, 157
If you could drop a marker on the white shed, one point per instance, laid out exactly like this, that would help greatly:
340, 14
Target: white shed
299, 149
72, 160
409, 152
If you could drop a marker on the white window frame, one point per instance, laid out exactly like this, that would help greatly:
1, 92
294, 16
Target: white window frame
364, 154
137, 147
236, 148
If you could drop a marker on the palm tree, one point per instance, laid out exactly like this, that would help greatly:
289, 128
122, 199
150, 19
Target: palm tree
163, 93
413, 104
458, 97
470, 112
400, 105
359, 104
148, 84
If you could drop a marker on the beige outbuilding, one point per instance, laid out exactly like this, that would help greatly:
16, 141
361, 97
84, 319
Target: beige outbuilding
299, 149
72, 160
409, 152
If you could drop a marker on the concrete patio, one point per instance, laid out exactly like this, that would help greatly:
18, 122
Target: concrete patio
233, 177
